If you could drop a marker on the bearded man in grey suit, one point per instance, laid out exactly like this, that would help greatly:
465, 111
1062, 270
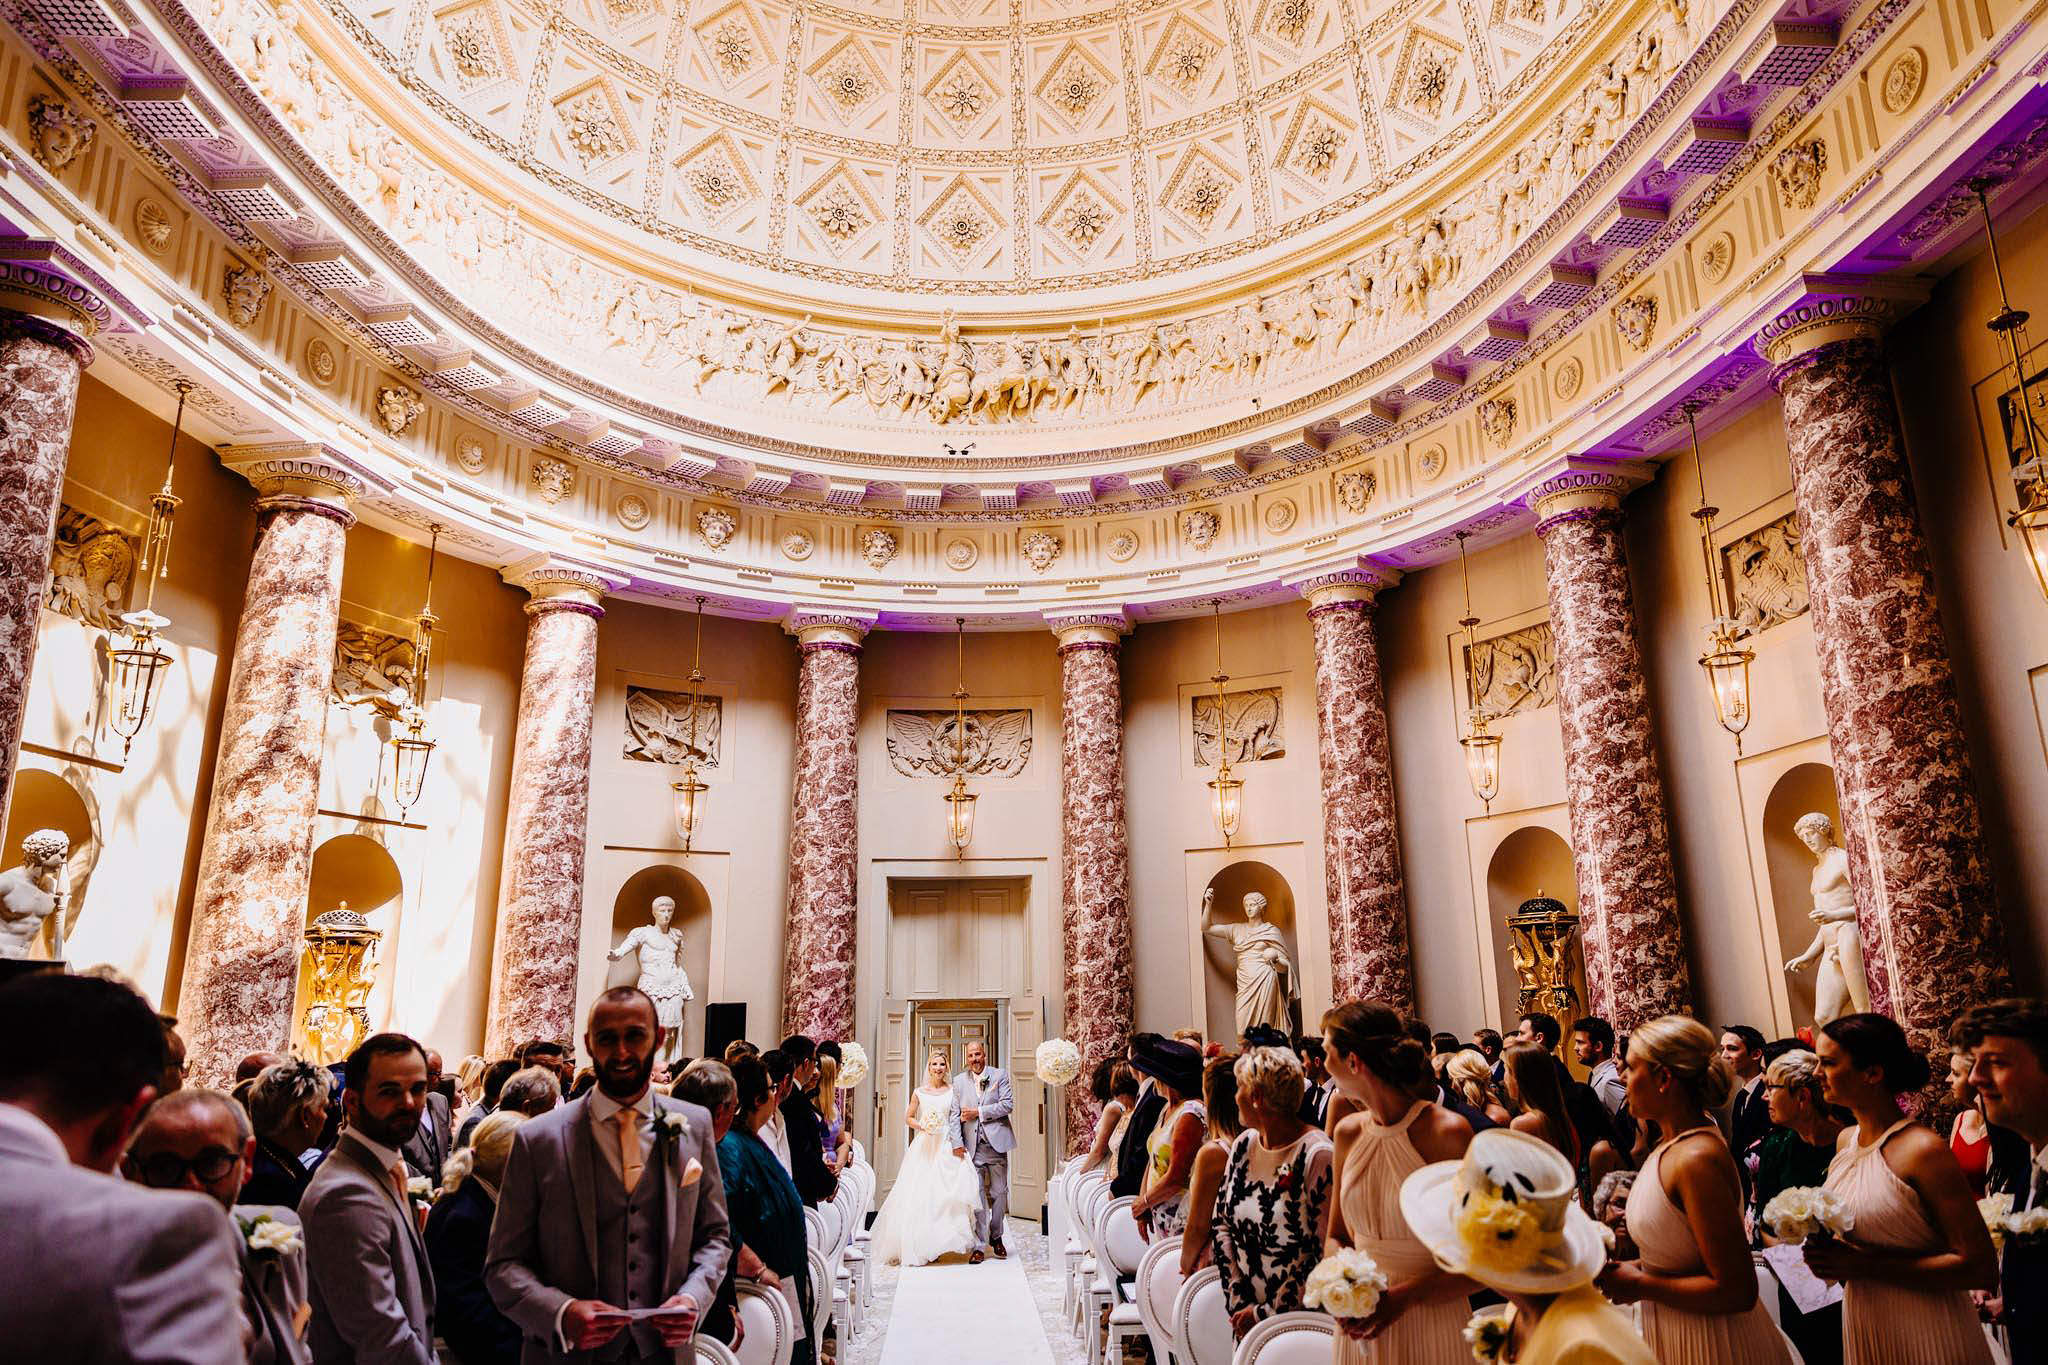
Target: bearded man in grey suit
985, 1104
611, 1238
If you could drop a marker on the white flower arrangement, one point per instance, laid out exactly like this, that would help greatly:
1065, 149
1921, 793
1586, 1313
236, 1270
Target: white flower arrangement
265, 1233
1487, 1334
853, 1065
1347, 1284
1995, 1210
1057, 1062
931, 1121
1804, 1211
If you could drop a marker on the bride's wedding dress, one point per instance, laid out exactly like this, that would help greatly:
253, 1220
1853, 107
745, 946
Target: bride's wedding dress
930, 1209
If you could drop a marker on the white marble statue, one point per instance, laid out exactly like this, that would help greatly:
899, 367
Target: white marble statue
1840, 987
1265, 974
35, 892
661, 971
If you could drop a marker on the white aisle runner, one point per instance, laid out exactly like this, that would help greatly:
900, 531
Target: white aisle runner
955, 1311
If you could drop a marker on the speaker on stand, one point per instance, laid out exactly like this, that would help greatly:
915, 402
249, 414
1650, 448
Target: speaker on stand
724, 1022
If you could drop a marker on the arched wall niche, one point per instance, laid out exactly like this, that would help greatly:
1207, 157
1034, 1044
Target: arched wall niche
1532, 861
1219, 983
1806, 787
357, 871
46, 800
634, 906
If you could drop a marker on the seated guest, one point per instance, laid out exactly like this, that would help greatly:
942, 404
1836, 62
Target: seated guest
1469, 1092
93, 1268
1131, 1154
1219, 1097
495, 1076
1315, 1093
1275, 1191
458, 1234
2008, 1045
288, 1109
1176, 1071
709, 1085
1593, 1047
775, 1132
200, 1140
767, 1212
1115, 1087
838, 1142
1796, 1152
815, 1181
533, 1091
372, 1289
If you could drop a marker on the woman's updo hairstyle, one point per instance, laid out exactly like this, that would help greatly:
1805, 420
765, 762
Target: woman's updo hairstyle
1377, 1036
1876, 1040
1690, 1052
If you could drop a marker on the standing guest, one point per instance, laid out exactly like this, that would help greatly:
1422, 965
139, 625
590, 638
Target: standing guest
1917, 1244
1593, 1046
176, 1068
1115, 1087
495, 1076
1176, 1071
531, 1092
709, 1085
372, 1290
1191, 1036
1796, 1153
831, 1117
2008, 1044
1205, 1177
1749, 1117
93, 1268
550, 1054
1469, 1092
611, 1203
255, 1064
984, 1100
1274, 1197
1969, 1136
768, 1213
815, 1181
429, 1146
1315, 1091
1132, 1156
1533, 1089
469, 1086
458, 1236
738, 1048
1538, 1030
1490, 1043
288, 1108
1394, 1133
586, 1077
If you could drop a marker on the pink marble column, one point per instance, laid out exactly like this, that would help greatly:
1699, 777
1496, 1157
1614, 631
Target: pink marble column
1095, 860
1621, 841
1362, 885
535, 951
43, 350
824, 841
1933, 941
249, 908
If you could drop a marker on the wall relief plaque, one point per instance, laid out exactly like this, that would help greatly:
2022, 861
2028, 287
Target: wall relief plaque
1513, 672
1766, 575
929, 744
92, 569
372, 667
1249, 723
658, 726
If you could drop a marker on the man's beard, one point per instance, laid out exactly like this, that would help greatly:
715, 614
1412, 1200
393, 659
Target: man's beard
395, 1130
625, 1082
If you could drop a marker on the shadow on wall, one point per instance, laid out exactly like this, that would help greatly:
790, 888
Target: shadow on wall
633, 908
1808, 787
1532, 861
45, 800
1219, 982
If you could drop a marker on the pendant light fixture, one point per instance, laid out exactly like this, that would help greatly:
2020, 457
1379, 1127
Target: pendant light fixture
1482, 746
689, 790
2031, 520
960, 801
1727, 658
136, 665
413, 747
1226, 793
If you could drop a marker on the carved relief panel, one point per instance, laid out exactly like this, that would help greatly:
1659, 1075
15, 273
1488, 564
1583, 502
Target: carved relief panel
1248, 722
372, 667
930, 743
1516, 671
658, 726
1766, 575
92, 569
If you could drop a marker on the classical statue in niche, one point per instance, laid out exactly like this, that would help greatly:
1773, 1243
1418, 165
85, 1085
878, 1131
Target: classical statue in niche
660, 946
1265, 974
658, 727
1840, 987
35, 892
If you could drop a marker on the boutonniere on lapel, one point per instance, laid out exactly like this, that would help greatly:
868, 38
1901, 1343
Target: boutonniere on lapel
267, 1235
421, 1192
673, 1126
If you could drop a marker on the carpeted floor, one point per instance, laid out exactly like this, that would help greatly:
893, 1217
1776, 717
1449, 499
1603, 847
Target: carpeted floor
996, 1313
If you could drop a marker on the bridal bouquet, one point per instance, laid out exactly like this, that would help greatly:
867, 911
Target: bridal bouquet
853, 1065
930, 1121
1347, 1284
1057, 1062
1804, 1211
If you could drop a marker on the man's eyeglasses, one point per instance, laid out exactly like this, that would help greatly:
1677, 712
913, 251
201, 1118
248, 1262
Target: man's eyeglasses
167, 1170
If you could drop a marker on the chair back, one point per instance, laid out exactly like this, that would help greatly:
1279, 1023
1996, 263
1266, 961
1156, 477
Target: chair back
711, 1351
821, 1289
769, 1335
1201, 1321
1158, 1282
1122, 1246
1289, 1339
814, 1230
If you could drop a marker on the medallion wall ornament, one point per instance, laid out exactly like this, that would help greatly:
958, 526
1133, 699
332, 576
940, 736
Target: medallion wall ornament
716, 526
1122, 547
633, 511
1280, 515
1717, 257
1636, 320
961, 555
398, 408
1497, 420
243, 289
469, 455
1040, 549
1199, 529
1903, 79
1570, 374
1430, 464
321, 365
797, 545
1797, 172
153, 225
58, 133
552, 479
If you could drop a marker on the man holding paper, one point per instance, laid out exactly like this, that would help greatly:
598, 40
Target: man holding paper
611, 1235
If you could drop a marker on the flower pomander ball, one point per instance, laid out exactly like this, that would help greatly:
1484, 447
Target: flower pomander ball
1499, 1232
853, 1065
1804, 1211
1347, 1284
1057, 1062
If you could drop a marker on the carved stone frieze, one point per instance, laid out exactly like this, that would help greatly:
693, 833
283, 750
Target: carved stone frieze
372, 668
1635, 318
552, 479
878, 547
993, 744
58, 133
1497, 420
658, 726
1766, 575
92, 570
1200, 528
716, 526
1247, 724
1040, 549
1797, 171
398, 408
1355, 489
1512, 672
242, 291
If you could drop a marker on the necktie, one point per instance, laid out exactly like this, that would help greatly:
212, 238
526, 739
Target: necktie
397, 1177
629, 1147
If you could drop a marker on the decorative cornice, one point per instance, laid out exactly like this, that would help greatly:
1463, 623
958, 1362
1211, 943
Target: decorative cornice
304, 474
834, 628
1834, 308
1357, 581
1573, 489
1089, 628
42, 293
557, 584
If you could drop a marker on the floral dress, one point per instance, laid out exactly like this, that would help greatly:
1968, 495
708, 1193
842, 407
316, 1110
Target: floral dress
1268, 1224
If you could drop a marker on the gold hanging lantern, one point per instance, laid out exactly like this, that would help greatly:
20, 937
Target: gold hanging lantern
341, 948
688, 791
135, 667
1226, 793
1726, 659
960, 801
412, 748
2030, 521
1481, 744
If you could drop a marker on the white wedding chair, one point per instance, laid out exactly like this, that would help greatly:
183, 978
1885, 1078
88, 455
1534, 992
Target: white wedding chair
824, 1304
1102, 1283
851, 1255
1085, 1216
1288, 1339
711, 1351
769, 1326
1076, 1251
1201, 1322
1159, 1280
1123, 1250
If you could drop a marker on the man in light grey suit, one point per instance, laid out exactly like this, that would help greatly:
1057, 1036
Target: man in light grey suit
985, 1101
429, 1148
611, 1237
92, 1268
371, 1289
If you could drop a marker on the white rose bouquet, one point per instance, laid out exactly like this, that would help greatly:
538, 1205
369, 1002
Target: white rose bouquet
1057, 1062
853, 1065
1804, 1211
930, 1121
1345, 1285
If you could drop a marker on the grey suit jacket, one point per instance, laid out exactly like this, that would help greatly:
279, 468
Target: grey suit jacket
95, 1269
994, 1101
429, 1148
543, 1249
371, 1288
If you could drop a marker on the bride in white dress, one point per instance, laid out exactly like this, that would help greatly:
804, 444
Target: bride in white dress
930, 1210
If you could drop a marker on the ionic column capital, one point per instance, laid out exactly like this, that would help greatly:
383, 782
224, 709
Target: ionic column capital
1575, 489
1356, 581
1089, 628
307, 475
557, 584
1826, 310
70, 313
835, 628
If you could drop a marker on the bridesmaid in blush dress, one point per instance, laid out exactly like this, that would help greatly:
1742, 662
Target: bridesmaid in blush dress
1918, 1245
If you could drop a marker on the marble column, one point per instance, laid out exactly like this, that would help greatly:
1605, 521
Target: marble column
536, 947
1621, 840
255, 868
1933, 941
1362, 885
1095, 859
44, 323
824, 836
